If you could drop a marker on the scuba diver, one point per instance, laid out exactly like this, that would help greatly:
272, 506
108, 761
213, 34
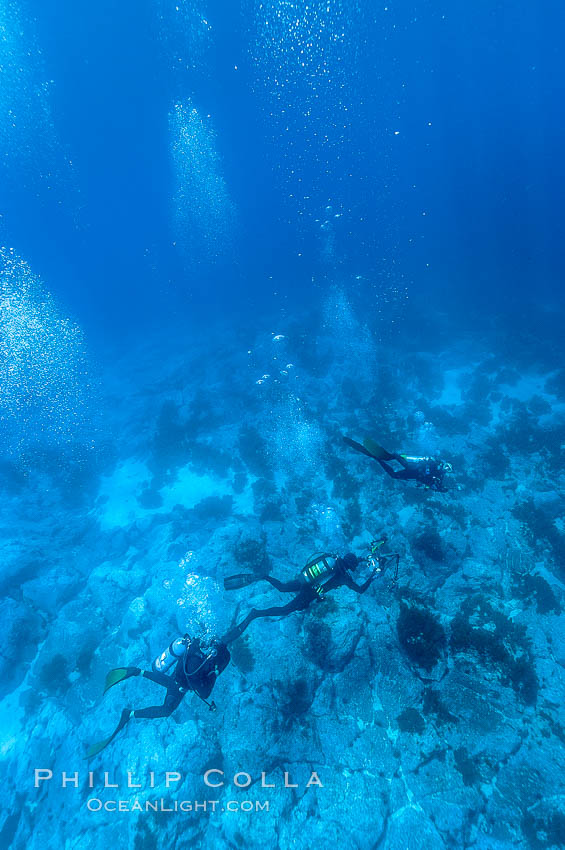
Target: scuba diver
428, 471
197, 668
321, 574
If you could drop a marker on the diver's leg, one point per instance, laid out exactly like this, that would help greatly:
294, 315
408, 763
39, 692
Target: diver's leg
159, 678
405, 474
401, 460
292, 586
402, 474
388, 469
172, 700
299, 603
237, 630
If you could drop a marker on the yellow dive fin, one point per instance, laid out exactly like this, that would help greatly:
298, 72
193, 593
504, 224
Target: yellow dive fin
118, 674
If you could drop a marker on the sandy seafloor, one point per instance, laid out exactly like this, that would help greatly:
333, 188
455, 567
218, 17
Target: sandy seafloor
432, 710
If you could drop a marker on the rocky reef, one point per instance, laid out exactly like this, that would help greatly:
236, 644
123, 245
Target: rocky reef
430, 708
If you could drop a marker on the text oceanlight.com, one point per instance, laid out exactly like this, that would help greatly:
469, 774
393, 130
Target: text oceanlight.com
94, 804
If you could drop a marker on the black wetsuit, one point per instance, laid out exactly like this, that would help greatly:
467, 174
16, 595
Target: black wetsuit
197, 670
425, 470
306, 593
204, 674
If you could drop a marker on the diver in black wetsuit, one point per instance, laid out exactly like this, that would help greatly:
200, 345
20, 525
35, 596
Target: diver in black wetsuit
197, 668
428, 471
321, 574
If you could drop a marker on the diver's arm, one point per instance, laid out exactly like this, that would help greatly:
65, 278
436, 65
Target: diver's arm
438, 485
360, 588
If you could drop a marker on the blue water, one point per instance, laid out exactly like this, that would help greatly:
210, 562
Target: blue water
233, 233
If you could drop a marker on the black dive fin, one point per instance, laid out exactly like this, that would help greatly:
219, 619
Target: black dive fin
101, 745
239, 580
118, 674
374, 450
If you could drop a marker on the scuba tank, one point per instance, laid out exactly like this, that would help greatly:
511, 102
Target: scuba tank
171, 655
216, 656
317, 570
